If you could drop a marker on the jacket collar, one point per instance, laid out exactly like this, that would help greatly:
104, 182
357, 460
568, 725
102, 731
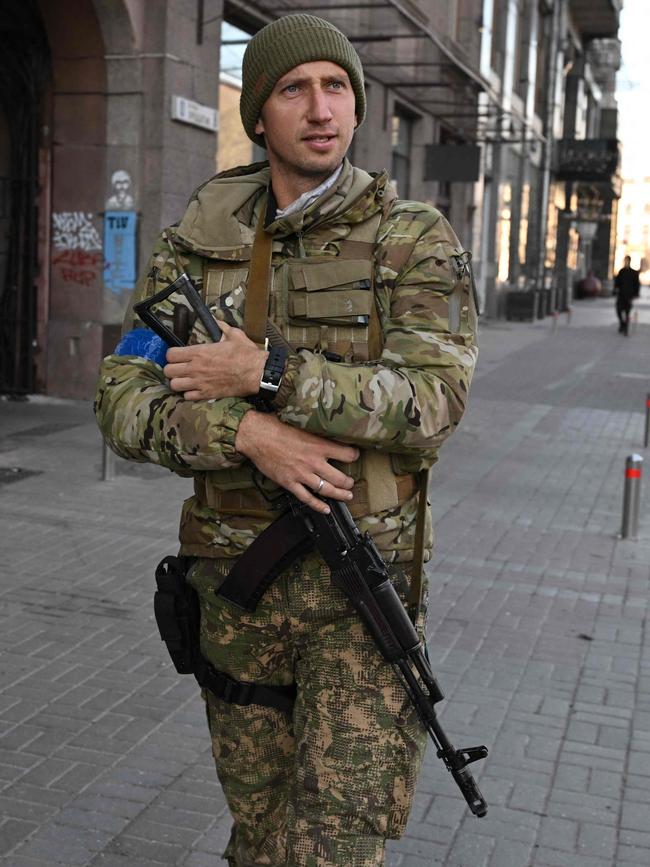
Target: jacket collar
222, 214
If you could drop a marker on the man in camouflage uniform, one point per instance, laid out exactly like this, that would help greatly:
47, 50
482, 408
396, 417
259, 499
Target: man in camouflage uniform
375, 299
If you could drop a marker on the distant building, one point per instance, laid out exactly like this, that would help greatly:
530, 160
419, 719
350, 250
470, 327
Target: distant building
634, 225
551, 169
234, 146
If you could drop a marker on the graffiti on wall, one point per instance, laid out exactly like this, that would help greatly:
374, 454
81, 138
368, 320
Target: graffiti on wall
74, 230
77, 256
78, 266
121, 198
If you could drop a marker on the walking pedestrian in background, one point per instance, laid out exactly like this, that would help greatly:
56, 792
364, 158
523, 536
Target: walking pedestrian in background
626, 289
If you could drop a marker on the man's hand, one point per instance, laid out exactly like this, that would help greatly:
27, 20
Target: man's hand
232, 367
295, 459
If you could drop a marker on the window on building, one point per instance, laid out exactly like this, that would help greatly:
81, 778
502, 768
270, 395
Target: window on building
524, 223
233, 145
581, 110
233, 46
522, 51
454, 18
540, 73
402, 143
499, 13
557, 202
504, 226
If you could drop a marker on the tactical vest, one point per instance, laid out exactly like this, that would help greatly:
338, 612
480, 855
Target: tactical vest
324, 302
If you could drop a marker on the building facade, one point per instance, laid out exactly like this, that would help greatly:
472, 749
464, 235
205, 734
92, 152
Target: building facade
499, 112
585, 177
95, 156
634, 225
551, 166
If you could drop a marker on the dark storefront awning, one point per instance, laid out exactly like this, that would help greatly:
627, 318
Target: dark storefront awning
452, 163
593, 159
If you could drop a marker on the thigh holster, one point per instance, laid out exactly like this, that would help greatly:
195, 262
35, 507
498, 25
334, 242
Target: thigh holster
178, 616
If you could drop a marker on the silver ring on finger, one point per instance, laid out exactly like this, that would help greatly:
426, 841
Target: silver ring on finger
321, 482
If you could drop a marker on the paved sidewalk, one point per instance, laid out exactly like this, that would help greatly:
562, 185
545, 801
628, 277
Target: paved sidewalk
537, 629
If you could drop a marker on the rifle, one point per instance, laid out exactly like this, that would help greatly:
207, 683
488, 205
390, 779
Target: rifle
357, 569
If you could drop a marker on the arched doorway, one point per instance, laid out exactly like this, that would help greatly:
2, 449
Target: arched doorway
52, 184
25, 73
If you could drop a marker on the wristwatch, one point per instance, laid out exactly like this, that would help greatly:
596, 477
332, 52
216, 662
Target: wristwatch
273, 372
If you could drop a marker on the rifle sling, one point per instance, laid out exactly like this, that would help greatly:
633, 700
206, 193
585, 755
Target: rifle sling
273, 551
256, 311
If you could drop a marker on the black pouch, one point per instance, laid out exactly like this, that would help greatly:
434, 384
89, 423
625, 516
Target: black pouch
176, 607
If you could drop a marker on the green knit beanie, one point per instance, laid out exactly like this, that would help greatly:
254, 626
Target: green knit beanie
283, 44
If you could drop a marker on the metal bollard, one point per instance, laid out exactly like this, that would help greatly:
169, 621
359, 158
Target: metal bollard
631, 496
556, 317
646, 435
108, 463
569, 311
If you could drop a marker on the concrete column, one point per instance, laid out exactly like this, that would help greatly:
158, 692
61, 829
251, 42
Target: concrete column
78, 164
176, 157
116, 66
165, 159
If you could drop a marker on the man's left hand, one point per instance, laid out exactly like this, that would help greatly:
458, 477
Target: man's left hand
232, 367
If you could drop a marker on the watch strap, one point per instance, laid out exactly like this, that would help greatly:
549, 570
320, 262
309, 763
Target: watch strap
273, 371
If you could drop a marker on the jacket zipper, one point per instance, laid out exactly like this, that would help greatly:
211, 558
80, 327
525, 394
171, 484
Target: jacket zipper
301, 249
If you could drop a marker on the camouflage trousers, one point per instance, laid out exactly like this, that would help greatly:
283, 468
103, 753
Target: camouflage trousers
329, 784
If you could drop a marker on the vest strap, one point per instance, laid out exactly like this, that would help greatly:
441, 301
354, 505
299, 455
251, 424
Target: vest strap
415, 593
381, 481
355, 249
375, 337
251, 503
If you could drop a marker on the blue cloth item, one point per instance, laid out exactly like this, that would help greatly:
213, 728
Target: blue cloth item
144, 343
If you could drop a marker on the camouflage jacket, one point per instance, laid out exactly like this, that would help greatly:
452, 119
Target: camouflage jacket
403, 403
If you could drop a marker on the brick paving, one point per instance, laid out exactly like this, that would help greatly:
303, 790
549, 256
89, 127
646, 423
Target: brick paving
537, 629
